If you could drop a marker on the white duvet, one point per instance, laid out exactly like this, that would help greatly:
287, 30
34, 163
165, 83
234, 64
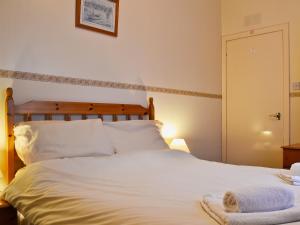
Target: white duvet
145, 188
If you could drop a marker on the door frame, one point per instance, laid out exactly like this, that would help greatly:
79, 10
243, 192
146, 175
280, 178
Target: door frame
284, 28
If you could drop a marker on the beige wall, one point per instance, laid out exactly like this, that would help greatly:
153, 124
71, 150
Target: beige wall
168, 43
267, 13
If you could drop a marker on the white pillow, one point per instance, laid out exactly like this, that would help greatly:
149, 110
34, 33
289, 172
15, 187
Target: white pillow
40, 140
134, 135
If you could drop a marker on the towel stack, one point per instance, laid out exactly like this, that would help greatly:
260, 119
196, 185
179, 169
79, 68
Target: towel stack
293, 176
258, 199
253, 206
295, 169
290, 179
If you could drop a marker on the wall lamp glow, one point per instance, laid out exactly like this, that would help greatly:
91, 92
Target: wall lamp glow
179, 144
168, 132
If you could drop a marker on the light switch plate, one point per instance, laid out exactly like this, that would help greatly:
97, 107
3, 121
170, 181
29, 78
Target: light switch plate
296, 86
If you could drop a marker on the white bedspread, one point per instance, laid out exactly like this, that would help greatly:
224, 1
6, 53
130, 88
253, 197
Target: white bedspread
145, 188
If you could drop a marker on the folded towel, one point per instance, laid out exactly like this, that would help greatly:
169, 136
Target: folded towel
293, 180
295, 169
213, 205
258, 199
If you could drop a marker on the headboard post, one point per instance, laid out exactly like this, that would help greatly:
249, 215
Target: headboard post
9, 110
151, 109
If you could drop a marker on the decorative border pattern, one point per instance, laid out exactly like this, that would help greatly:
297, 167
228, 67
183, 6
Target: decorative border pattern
97, 83
295, 94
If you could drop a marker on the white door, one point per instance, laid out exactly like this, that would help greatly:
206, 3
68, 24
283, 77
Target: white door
256, 93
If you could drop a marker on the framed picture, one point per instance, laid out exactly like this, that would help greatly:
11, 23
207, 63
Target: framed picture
98, 15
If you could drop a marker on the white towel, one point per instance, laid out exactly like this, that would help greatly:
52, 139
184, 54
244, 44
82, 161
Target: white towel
293, 180
213, 205
258, 199
295, 169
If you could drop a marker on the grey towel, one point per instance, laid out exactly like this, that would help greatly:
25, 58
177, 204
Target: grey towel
258, 199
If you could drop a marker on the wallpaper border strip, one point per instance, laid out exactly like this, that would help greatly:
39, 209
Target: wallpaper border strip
295, 94
97, 83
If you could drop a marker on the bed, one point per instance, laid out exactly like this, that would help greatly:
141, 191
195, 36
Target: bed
138, 188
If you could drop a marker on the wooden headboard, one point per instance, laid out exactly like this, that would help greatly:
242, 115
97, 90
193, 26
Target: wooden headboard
49, 109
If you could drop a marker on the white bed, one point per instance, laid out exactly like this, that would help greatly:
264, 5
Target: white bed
73, 176
152, 187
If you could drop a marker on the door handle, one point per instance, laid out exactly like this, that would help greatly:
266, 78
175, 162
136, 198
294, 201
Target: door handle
276, 115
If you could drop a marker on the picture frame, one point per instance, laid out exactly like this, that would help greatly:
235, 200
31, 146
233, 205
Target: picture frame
98, 15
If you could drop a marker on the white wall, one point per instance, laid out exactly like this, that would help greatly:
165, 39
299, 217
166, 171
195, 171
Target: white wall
168, 43
271, 12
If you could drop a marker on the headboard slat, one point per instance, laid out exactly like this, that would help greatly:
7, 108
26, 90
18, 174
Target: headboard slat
67, 117
114, 118
27, 117
49, 109
48, 116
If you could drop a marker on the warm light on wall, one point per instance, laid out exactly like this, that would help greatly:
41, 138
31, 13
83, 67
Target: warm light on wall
168, 132
267, 133
179, 144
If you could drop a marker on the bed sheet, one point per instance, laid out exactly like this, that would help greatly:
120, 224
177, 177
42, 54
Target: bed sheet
142, 188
